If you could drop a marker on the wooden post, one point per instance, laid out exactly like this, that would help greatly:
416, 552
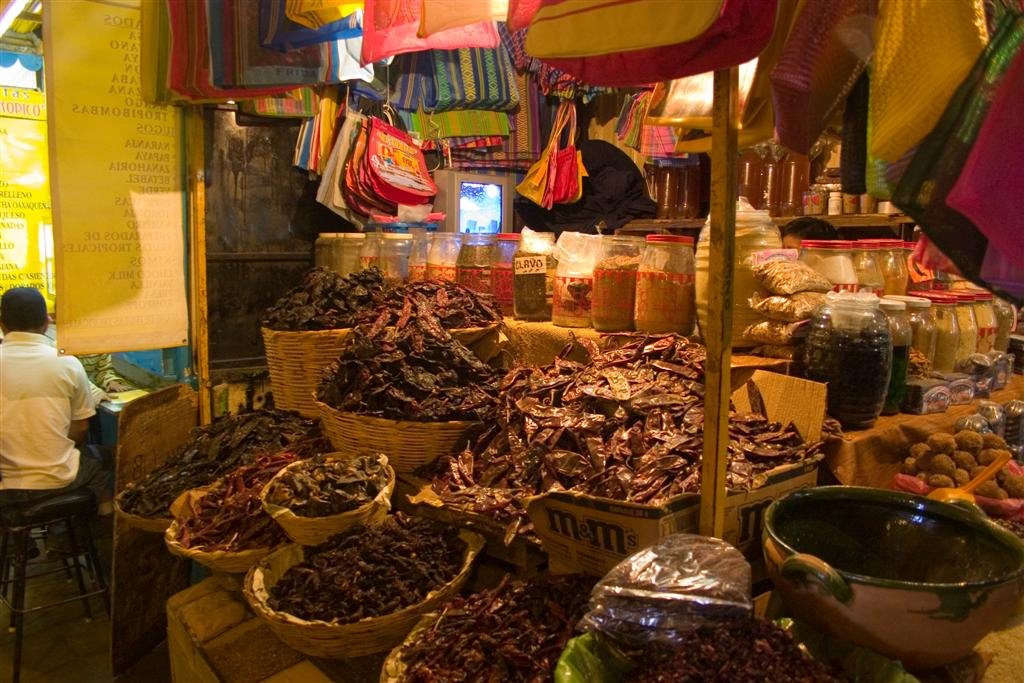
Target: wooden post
718, 332
196, 164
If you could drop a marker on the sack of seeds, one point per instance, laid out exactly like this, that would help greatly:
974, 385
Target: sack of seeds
789, 277
775, 332
799, 306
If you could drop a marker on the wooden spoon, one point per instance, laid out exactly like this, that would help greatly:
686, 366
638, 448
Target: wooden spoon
966, 492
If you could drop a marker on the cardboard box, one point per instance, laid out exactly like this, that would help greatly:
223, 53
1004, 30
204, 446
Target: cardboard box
591, 534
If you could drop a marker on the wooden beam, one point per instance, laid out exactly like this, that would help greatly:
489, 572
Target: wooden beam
196, 164
718, 335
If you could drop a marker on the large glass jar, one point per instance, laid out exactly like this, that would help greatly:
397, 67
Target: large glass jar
473, 268
968, 326
893, 264
614, 294
395, 249
322, 248
988, 325
849, 347
754, 232
571, 303
1006, 322
369, 252
664, 285
346, 249
421, 241
833, 260
534, 277
947, 331
443, 256
922, 324
502, 275
865, 262
902, 337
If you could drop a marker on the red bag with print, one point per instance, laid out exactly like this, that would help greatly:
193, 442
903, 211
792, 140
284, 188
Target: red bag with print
396, 167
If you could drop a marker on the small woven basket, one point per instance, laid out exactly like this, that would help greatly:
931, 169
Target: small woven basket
393, 669
408, 444
217, 560
156, 525
365, 637
296, 360
316, 530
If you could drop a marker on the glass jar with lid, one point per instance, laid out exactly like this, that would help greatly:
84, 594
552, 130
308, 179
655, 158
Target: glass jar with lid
571, 303
614, 293
443, 256
395, 249
345, 252
968, 326
473, 267
902, 338
755, 231
664, 286
369, 251
502, 275
322, 248
849, 347
833, 260
893, 264
1006, 322
421, 240
985, 315
922, 324
947, 331
534, 276
865, 262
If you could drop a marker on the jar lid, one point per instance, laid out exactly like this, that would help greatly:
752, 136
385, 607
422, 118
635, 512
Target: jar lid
884, 243
671, 239
912, 301
942, 298
827, 244
866, 245
910, 245
352, 235
508, 236
979, 294
888, 304
397, 236
861, 299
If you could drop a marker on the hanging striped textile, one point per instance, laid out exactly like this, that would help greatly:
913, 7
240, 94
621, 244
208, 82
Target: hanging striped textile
454, 124
474, 78
300, 103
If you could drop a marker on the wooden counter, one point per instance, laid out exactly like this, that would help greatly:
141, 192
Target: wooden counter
871, 457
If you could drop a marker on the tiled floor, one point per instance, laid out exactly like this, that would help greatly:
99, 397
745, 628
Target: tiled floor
61, 645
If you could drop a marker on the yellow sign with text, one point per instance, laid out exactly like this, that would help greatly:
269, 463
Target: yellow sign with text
26, 237
116, 177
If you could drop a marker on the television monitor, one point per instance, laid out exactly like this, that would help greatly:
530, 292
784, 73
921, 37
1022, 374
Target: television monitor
474, 202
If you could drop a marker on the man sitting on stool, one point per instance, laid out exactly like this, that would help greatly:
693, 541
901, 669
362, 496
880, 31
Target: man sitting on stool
45, 406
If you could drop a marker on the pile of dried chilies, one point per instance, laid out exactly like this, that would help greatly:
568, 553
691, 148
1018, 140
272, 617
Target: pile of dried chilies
370, 571
326, 301
230, 517
454, 305
411, 370
320, 487
628, 425
514, 632
215, 450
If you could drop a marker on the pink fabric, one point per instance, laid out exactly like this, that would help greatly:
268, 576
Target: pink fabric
929, 256
991, 185
390, 26
738, 35
520, 12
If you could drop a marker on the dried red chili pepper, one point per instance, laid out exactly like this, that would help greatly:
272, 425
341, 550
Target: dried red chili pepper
326, 301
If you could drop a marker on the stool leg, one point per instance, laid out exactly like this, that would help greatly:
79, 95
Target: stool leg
77, 564
18, 611
93, 558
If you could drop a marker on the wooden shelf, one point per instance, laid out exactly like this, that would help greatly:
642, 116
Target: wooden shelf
856, 220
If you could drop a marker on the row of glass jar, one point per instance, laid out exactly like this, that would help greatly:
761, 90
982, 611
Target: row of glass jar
877, 266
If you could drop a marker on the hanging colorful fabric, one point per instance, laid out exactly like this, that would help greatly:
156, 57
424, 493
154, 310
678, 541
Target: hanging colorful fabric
912, 81
942, 155
397, 167
474, 78
278, 32
390, 26
827, 50
256, 66
521, 13
458, 123
738, 35
155, 46
413, 88
318, 13
441, 15
339, 62
584, 28
301, 103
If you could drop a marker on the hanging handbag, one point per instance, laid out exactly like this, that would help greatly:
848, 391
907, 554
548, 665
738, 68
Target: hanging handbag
535, 185
564, 179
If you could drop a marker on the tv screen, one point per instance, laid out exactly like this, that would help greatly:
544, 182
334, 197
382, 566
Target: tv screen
480, 207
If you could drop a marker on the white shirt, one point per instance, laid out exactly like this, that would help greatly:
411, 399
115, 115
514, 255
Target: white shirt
41, 392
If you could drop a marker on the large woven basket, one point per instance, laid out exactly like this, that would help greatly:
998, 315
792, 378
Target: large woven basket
316, 530
217, 560
408, 444
156, 525
393, 669
295, 361
365, 637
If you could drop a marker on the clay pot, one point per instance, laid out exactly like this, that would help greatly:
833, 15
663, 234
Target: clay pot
915, 579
